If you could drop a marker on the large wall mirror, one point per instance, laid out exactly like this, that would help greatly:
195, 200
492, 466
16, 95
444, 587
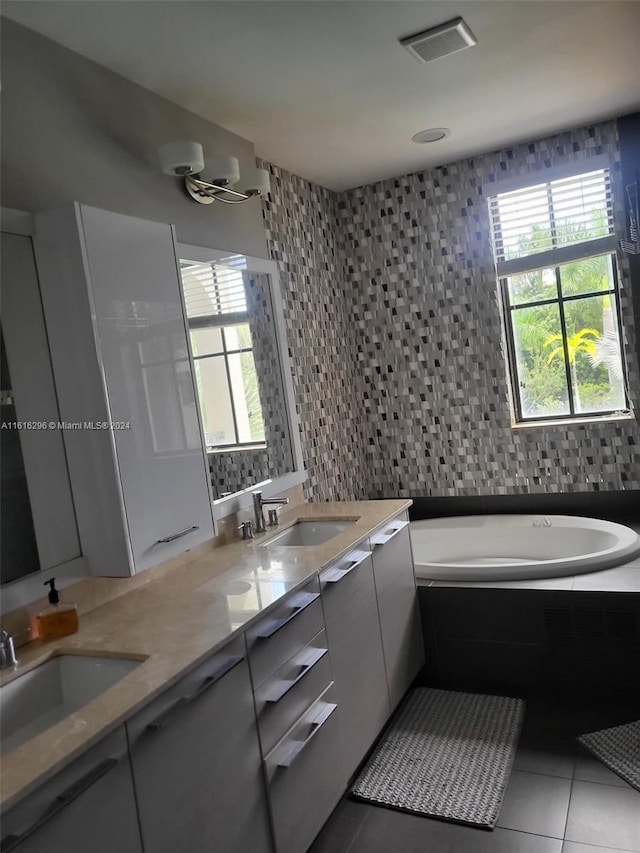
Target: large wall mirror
38, 525
238, 346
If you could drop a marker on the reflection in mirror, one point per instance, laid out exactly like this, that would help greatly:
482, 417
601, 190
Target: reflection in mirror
38, 520
18, 550
239, 376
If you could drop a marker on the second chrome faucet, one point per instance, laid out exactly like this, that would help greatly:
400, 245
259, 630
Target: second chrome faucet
258, 503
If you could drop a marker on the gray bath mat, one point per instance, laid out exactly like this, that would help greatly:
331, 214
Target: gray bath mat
619, 749
446, 755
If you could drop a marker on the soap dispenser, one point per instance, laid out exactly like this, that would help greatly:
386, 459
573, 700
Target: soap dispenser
58, 619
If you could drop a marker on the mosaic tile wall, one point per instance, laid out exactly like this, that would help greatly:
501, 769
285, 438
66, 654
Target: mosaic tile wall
301, 224
405, 358
279, 457
423, 299
234, 470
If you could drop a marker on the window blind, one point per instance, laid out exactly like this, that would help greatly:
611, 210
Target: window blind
213, 292
554, 222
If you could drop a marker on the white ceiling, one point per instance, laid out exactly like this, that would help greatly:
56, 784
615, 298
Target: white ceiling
325, 90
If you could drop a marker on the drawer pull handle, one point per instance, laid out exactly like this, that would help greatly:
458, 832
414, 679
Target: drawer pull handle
280, 688
165, 717
10, 842
302, 601
334, 574
384, 536
177, 535
298, 745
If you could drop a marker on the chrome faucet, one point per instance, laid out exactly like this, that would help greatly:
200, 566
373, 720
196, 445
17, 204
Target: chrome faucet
258, 503
7, 651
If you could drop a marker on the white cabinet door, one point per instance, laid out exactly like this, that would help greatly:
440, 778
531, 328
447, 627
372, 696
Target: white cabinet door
197, 765
89, 807
113, 304
357, 660
398, 606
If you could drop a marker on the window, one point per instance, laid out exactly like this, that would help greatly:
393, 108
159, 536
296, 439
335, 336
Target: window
554, 247
222, 348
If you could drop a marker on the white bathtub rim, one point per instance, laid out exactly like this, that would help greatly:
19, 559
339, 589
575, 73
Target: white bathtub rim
623, 551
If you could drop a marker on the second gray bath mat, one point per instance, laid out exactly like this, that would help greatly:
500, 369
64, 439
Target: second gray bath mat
619, 749
446, 755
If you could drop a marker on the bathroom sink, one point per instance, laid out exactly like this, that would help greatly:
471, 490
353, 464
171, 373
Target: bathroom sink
45, 695
309, 533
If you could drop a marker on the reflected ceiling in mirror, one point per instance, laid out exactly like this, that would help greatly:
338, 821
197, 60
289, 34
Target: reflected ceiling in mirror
239, 374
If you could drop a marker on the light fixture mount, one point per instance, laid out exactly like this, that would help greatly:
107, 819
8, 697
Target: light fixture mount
206, 192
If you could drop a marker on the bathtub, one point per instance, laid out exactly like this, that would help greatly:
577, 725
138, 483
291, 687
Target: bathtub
515, 547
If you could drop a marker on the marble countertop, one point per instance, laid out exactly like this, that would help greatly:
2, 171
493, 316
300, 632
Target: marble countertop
174, 623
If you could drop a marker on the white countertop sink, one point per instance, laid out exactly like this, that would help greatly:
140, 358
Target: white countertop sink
45, 695
309, 533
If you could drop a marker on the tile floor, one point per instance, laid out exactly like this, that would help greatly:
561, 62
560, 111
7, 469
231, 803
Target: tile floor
559, 798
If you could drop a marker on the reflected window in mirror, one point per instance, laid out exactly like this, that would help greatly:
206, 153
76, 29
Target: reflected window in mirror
223, 354
238, 350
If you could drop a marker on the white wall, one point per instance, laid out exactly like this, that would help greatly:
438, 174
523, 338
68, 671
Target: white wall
71, 129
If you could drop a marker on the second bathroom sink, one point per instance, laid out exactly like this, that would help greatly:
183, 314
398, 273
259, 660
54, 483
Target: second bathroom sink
309, 533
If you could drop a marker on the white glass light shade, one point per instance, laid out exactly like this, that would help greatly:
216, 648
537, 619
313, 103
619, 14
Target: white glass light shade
181, 158
257, 179
221, 169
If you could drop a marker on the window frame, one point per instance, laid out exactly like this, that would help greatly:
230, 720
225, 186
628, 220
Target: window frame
560, 300
554, 259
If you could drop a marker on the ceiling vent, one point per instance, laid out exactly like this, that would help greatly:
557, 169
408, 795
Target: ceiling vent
440, 41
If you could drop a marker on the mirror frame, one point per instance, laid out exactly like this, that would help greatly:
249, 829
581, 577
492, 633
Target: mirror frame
243, 500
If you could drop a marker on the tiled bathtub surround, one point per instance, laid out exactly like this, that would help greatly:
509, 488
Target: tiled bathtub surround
417, 364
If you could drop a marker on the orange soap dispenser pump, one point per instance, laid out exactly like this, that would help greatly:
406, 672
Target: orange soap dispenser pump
58, 619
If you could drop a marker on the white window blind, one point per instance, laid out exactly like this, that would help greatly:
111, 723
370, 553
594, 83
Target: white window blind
552, 222
213, 293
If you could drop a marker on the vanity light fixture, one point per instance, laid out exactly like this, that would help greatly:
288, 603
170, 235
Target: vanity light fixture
210, 180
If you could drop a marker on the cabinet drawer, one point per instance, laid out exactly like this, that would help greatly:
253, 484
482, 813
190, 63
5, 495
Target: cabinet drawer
292, 624
304, 775
290, 691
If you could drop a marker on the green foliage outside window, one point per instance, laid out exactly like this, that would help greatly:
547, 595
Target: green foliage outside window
592, 344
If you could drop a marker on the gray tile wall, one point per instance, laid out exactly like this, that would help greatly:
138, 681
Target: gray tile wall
301, 222
234, 470
409, 363
279, 455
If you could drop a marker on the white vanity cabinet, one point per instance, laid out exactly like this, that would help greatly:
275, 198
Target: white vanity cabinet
113, 305
89, 807
355, 644
398, 606
197, 765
